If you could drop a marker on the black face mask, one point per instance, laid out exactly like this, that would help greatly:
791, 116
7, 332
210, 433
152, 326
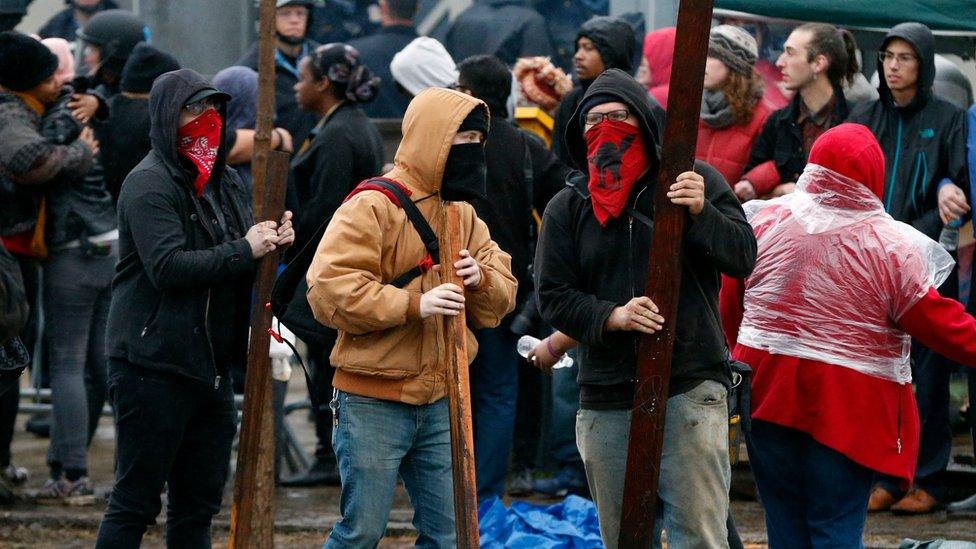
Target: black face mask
465, 173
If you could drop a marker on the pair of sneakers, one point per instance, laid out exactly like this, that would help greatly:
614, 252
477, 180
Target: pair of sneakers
68, 492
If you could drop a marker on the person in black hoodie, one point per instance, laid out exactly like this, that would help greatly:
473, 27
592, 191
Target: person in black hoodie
924, 142
377, 50
125, 135
522, 175
343, 149
602, 43
178, 321
591, 262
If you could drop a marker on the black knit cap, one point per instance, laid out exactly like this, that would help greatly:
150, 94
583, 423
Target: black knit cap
143, 67
475, 121
24, 62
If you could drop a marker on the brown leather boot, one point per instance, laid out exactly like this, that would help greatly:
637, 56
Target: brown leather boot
881, 500
916, 502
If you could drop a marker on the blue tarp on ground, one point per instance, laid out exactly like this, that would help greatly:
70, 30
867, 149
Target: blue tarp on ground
571, 524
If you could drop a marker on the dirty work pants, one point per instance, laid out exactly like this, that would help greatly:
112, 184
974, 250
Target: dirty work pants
376, 440
695, 472
169, 430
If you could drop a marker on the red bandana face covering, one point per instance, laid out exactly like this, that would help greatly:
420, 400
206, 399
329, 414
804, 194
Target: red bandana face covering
616, 157
198, 141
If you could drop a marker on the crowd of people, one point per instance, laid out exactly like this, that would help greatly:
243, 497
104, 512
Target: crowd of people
823, 221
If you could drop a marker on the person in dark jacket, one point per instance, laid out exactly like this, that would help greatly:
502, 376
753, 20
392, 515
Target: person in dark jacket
82, 242
522, 175
506, 29
590, 265
179, 317
125, 135
65, 23
817, 58
924, 142
343, 149
12, 12
377, 50
602, 43
292, 18
28, 163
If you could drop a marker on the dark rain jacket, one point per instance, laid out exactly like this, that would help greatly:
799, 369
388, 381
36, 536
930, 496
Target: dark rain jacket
344, 150
376, 51
287, 114
777, 154
584, 271
185, 271
507, 29
64, 25
923, 142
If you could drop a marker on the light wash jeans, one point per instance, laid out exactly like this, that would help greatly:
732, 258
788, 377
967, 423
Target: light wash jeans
374, 440
695, 472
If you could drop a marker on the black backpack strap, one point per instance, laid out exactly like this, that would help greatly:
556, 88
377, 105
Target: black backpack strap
422, 227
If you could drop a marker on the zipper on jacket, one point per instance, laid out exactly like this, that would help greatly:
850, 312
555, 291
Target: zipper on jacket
898, 434
894, 166
206, 333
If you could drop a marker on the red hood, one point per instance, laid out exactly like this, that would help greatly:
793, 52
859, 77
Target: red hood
659, 50
852, 151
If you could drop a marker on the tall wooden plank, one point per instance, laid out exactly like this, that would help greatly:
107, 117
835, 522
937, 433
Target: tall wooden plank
664, 277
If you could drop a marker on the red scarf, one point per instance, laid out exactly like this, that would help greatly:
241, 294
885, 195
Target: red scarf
617, 158
199, 141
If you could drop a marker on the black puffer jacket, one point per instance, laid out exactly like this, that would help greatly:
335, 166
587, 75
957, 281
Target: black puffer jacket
923, 142
182, 265
584, 271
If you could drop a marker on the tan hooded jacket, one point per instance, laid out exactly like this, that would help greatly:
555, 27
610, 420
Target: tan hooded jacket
385, 350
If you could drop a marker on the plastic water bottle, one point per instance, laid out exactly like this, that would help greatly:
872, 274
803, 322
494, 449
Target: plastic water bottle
526, 343
949, 237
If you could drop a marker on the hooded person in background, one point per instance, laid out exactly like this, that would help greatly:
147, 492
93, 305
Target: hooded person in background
658, 55
292, 21
65, 23
344, 149
586, 288
125, 135
602, 43
522, 175
924, 142
423, 64
179, 317
390, 379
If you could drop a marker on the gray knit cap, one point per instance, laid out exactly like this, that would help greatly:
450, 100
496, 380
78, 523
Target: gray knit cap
733, 46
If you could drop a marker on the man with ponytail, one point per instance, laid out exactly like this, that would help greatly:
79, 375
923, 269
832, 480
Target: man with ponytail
817, 58
924, 142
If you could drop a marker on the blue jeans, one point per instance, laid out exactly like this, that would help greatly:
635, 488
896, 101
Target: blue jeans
695, 472
494, 392
374, 440
812, 495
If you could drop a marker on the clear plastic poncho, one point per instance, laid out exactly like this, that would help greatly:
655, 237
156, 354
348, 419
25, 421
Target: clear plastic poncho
833, 275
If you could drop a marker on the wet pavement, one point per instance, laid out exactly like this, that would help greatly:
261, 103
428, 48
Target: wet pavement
305, 515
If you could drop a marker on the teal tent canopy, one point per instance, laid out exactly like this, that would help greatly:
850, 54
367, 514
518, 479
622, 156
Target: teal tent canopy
938, 15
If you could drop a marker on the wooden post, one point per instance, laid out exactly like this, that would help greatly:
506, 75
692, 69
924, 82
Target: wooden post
252, 513
459, 393
664, 278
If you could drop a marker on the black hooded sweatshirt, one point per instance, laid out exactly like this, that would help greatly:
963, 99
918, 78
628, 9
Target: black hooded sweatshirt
182, 286
583, 270
923, 142
614, 39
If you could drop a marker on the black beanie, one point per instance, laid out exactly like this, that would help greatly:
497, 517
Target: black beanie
597, 99
476, 120
24, 62
143, 67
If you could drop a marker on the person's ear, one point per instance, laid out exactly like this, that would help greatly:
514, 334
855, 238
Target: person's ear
821, 63
323, 85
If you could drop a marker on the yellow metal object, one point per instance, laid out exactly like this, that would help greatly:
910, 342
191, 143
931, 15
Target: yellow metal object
537, 121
